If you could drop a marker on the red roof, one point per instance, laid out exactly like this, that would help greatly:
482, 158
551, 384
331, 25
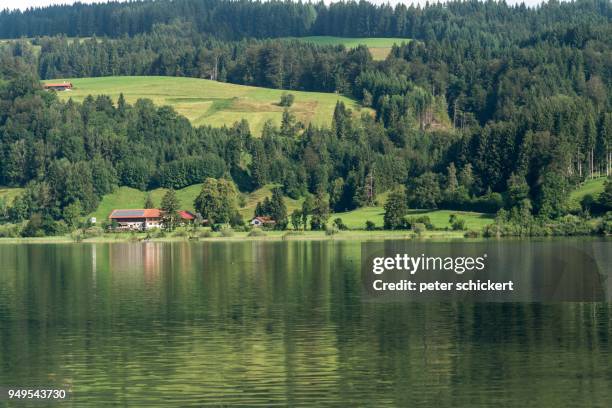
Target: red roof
264, 219
186, 215
146, 213
58, 85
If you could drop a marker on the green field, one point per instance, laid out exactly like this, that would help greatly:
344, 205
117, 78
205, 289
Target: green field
356, 219
214, 103
593, 187
126, 197
379, 47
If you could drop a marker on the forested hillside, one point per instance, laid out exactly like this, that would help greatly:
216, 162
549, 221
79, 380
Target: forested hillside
488, 108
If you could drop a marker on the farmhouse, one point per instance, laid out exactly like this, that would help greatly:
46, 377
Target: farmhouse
64, 86
262, 221
134, 220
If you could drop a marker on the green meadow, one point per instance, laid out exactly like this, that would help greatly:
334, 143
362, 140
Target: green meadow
206, 102
126, 197
379, 47
592, 187
356, 219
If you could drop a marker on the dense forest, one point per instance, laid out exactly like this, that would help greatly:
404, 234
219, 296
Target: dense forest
489, 107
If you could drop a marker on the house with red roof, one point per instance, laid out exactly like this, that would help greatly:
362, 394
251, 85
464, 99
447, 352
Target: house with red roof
59, 86
143, 219
262, 221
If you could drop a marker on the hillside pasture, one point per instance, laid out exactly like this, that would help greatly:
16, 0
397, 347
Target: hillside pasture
206, 102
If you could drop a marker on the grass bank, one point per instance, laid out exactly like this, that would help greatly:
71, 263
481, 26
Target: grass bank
246, 236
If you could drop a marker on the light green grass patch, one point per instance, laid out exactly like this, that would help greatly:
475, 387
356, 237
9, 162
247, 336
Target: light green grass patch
206, 102
379, 47
356, 219
594, 187
9, 193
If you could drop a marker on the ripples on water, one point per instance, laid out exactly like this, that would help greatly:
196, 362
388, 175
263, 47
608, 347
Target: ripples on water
278, 324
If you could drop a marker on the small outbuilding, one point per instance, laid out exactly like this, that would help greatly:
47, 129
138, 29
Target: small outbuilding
262, 221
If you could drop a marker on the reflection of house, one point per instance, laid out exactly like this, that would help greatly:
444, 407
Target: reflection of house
262, 221
64, 86
137, 219
144, 219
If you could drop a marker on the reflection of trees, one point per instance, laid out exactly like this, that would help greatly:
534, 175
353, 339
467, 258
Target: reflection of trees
278, 322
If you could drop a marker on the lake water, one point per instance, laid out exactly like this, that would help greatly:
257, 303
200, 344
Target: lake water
278, 323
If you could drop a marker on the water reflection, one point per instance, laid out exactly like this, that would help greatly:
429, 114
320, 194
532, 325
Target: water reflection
278, 323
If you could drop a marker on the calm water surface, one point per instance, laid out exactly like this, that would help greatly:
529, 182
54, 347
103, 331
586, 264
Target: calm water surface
278, 323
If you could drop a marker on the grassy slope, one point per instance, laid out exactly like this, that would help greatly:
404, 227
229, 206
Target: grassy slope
206, 102
593, 187
9, 193
379, 47
356, 219
126, 197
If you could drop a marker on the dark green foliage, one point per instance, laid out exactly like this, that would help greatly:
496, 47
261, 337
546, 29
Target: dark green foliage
395, 209
217, 202
319, 213
605, 198
286, 99
276, 209
170, 206
424, 191
490, 106
340, 225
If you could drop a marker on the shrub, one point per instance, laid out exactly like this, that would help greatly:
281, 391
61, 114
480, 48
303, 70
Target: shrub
410, 222
287, 99
10, 231
457, 224
227, 232
206, 234
471, 234
370, 226
419, 228
338, 223
331, 230
256, 233
180, 233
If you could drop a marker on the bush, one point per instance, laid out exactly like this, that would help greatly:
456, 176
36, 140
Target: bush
180, 233
410, 222
370, 226
457, 224
206, 234
10, 231
471, 234
227, 232
606, 224
419, 228
331, 230
287, 99
338, 223
256, 233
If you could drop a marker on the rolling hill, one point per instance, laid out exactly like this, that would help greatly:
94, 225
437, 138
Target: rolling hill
206, 102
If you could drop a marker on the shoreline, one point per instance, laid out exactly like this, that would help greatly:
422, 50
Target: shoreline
358, 235
278, 236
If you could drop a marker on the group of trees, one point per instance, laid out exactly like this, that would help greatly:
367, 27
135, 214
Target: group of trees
488, 107
255, 19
